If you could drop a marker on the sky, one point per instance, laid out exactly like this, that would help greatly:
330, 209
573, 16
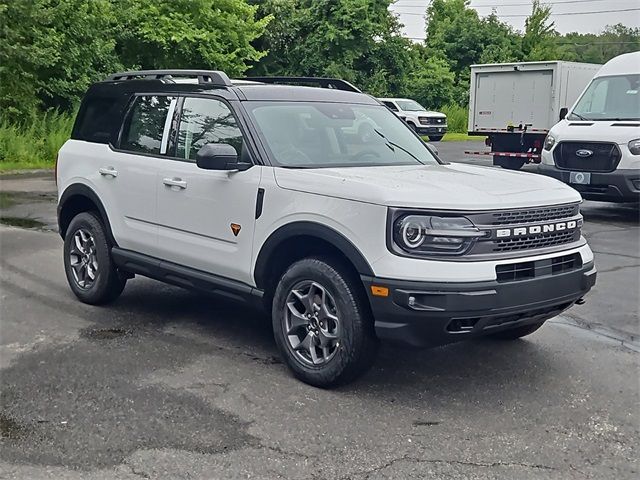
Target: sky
570, 15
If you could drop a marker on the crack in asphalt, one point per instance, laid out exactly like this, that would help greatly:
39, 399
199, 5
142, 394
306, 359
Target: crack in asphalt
616, 254
626, 340
138, 473
615, 269
407, 458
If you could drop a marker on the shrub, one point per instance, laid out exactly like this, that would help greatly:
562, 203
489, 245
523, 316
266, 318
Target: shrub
457, 117
34, 144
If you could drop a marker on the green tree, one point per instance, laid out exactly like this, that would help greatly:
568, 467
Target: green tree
539, 40
458, 36
432, 83
358, 40
50, 50
188, 34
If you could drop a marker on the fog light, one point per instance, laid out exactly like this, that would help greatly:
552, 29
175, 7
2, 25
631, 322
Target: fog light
636, 184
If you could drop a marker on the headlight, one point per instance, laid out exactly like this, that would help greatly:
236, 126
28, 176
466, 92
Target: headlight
433, 235
634, 146
549, 142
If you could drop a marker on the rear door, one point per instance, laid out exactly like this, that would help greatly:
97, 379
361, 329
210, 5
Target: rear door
206, 218
132, 170
512, 98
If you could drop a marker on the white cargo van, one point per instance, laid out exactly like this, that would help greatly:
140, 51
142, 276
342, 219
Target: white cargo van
596, 148
515, 104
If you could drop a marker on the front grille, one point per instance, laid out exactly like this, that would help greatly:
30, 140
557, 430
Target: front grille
540, 268
431, 120
604, 157
535, 241
534, 214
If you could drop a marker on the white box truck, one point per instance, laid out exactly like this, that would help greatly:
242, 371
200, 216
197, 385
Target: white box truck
515, 104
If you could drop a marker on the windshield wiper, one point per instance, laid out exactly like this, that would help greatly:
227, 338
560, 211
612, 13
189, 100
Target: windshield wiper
581, 117
391, 146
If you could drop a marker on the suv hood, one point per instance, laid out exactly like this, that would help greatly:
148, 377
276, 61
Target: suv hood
451, 187
620, 132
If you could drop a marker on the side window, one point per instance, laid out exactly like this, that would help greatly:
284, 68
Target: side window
203, 121
391, 106
145, 125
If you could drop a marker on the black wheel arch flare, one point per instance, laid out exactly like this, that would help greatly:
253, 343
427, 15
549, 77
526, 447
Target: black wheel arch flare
309, 229
73, 193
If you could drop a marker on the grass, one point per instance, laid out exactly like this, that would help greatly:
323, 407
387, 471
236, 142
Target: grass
457, 118
460, 137
33, 145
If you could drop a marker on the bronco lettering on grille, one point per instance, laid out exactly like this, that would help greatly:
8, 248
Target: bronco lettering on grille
536, 229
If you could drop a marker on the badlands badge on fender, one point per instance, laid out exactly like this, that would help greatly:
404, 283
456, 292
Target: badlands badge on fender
235, 228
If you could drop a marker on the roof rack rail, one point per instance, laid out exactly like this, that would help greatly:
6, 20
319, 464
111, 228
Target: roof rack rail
209, 77
335, 83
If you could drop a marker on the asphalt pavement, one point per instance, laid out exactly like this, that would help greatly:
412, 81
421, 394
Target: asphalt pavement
167, 383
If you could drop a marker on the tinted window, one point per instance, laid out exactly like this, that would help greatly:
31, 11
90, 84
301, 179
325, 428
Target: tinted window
144, 128
98, 119
205, 121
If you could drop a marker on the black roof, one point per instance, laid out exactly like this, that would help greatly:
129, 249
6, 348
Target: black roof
259, 88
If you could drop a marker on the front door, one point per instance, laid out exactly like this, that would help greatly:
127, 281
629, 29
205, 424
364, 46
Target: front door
206, 218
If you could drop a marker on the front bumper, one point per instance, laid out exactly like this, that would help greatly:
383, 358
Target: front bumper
436, 130
616, 186
424, 314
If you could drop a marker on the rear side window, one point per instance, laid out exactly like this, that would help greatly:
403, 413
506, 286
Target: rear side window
203, 121
144, 127
98, 119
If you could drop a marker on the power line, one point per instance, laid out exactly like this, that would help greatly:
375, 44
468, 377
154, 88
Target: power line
496, 5
542, 2
593, 12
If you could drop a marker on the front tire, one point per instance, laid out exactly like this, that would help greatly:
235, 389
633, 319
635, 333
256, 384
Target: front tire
321, 323
435, 138
518, 332
90, 271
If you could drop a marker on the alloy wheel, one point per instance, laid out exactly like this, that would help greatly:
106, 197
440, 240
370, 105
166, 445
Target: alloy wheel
83, 259
312, 325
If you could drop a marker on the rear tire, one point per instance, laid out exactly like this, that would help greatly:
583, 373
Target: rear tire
435, 138
321, 323
90, 271
518, 332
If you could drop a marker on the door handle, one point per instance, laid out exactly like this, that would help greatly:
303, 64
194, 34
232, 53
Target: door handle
175, 182
108, 171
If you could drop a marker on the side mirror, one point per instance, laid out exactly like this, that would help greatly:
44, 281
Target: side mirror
219, 156
563, 112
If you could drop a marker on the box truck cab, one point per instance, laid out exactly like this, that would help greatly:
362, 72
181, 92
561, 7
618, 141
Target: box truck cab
596, 147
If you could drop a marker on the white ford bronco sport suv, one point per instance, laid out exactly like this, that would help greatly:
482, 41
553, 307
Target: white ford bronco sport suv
267, 193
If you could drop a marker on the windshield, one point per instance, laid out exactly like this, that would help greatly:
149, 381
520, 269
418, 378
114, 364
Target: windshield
410, 106
610, 98
314, 135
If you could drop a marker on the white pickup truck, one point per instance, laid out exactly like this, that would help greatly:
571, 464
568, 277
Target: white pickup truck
515, 104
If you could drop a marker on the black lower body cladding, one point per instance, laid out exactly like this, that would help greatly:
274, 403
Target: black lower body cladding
424, 314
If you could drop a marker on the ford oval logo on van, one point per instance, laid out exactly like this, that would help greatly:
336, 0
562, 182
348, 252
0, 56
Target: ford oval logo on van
584, 153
